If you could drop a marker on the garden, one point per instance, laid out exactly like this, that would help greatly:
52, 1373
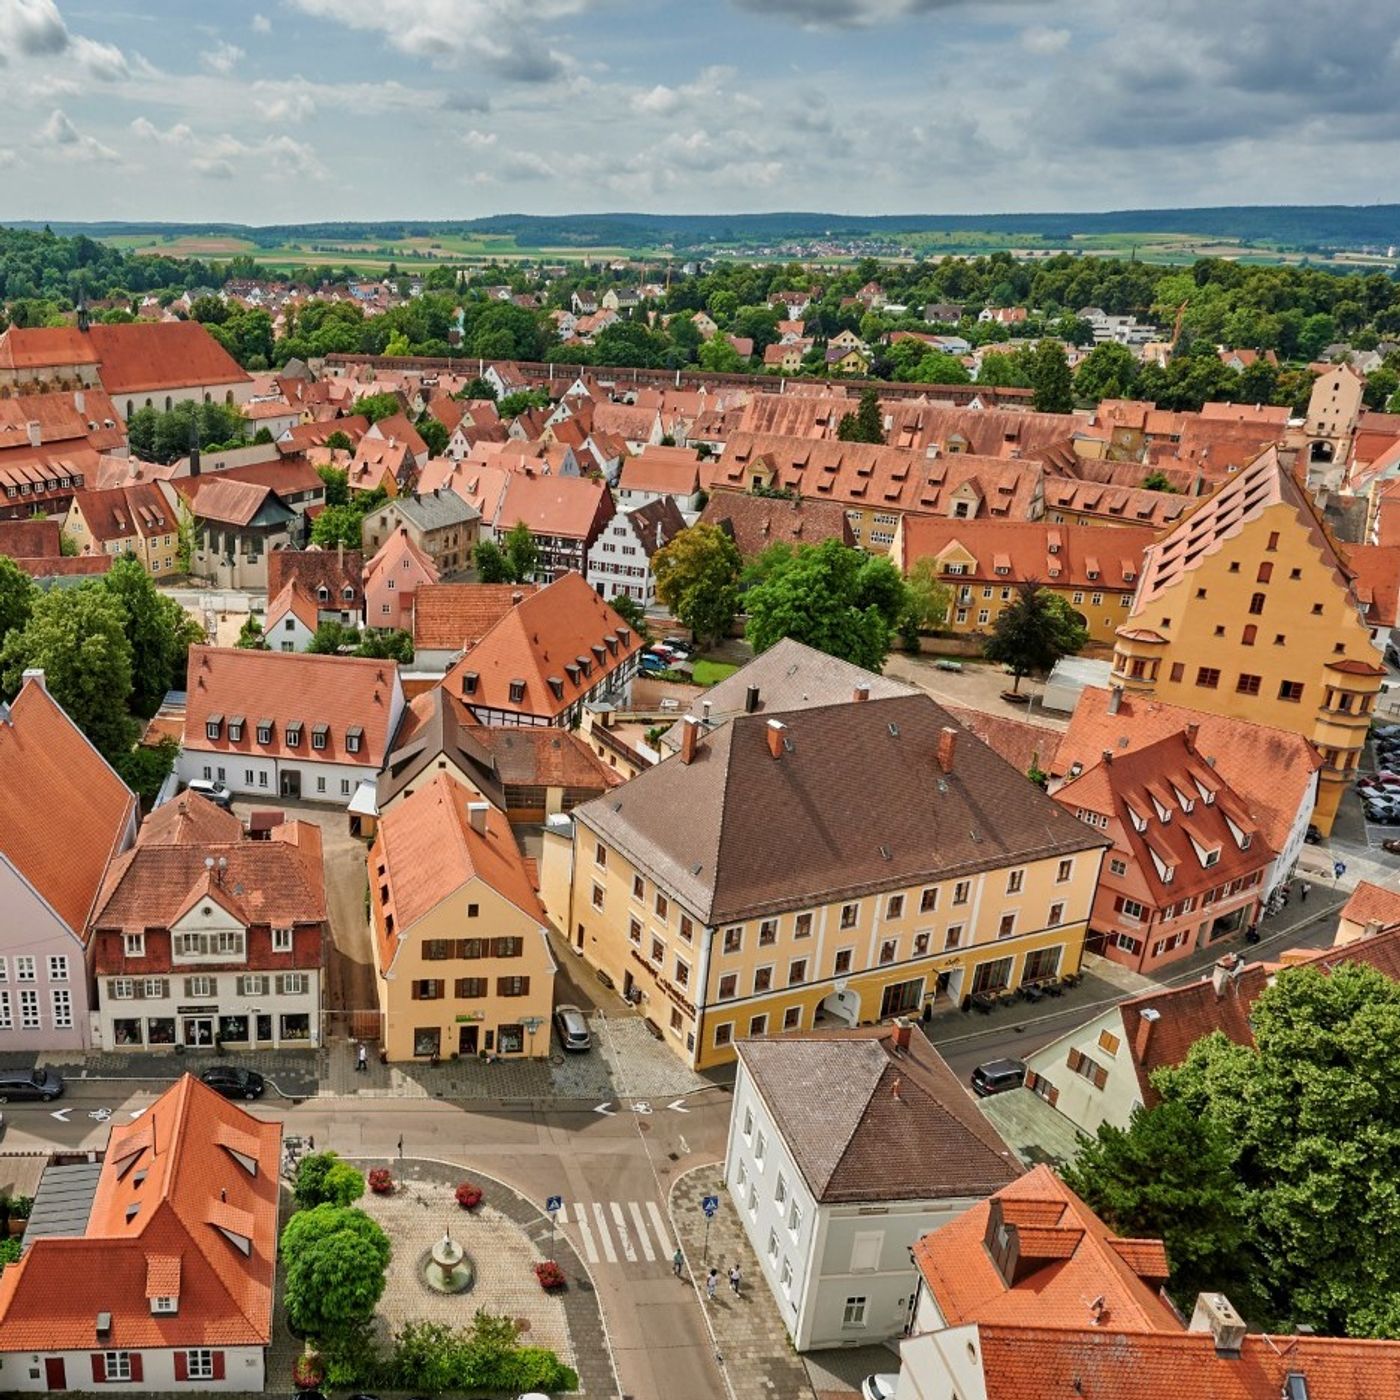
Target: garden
417, 1286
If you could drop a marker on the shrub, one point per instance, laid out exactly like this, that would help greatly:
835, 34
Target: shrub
430, 1358
550, 1274
323, 1179
381, 1181
469, 1195
308, 1371
10, 1251
333, 1262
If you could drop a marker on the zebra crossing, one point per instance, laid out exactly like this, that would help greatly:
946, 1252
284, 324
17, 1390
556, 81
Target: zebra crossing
619, 1232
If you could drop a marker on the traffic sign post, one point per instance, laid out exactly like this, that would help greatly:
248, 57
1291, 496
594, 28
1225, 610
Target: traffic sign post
710, 1205
552, 1206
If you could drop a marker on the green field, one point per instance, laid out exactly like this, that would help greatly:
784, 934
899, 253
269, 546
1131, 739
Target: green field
712, 672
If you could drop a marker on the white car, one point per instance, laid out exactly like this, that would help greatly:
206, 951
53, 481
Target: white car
216, 792
880, 1387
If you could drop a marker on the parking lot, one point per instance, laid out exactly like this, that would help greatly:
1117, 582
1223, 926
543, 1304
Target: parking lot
1383, 755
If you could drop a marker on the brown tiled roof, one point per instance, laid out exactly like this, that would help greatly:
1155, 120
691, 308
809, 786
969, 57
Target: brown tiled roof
457, 615
397, 428
70, 567
656, 524
37, 347
126, 511
291, 474
319, 568
854, 803
296, 600
60, 422
64, 813
555, 641
901, 1127
30, 539
167, 1183
1133, 504
755, 522
563, 506
1019, 742
1372, 904
306, 435
139, 358
231, 502
190, 820
1377, 581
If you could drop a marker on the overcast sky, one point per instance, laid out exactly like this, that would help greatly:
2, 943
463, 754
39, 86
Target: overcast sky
267, 111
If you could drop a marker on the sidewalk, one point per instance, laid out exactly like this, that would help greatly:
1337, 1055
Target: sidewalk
750, 1339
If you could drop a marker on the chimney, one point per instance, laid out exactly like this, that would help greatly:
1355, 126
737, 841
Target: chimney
751, 700
1147, 1018
516, 598
1215, 1314
1191, 731
1115, 698
80, 400
776, 730
902, 1031
705, 710
340, 556
690, 738
476, 814
947, 740
36, 433
35, 674
1225, 972
861, 692
1108, 755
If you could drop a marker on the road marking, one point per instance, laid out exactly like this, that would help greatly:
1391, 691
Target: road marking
641, 1231
641, 1106
602, 1222
589, 1248
685, 1146
620, 1221
678, 1106
137, 1112
606, 1109
61, 1114
663, 1234
100, 1114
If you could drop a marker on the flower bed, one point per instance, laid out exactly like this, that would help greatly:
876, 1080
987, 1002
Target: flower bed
469, 1195
550, 1275
308, 1371
381, 1181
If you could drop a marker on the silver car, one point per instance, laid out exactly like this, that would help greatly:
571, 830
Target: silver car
573, 1029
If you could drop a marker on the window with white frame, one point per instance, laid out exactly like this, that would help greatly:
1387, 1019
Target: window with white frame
7, 1018
62, 1008
780, 1190
25, 968
785, 1275
199, 1364
760, 1151
794, 1217
293, 984
134, 945
58, 967
853, 1314
116, 1365
29, 1018
199, 987
165, 1305
4, 969
773, 1246
748, 1124
281, 940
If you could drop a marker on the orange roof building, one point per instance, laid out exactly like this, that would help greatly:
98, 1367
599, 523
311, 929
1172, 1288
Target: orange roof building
153, 1265
450, 618
292, 618
392, 578
65, 817
565, 514
551, 654
333, 577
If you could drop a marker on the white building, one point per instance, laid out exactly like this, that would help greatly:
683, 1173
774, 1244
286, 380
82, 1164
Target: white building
620, 561
843, 1151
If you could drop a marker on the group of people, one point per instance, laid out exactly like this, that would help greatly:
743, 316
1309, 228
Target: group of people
736, 1279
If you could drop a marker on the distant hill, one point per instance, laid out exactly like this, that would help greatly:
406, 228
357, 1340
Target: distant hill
1300, 227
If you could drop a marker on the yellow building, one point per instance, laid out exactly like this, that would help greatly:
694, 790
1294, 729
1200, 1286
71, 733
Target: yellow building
1247, 609
836, 865
135, 520
461, 956
1093, 568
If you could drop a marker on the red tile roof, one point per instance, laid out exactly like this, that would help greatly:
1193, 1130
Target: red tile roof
332, 569
70, 567
344, 693
1377, 582
398, 428
566, 507
451, 616
755, 522
306, 435
293, 599
558, 643
64, 813
60, 422
30, 539
1021, 743
1372, 904
214, 498
174, 1183
673, 470
125, 512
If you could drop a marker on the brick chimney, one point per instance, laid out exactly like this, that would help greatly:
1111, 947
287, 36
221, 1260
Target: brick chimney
777, 731
690, 738
1214, 1313
1147, 1018
947, 741
1115, 698
902, 1032
861, 692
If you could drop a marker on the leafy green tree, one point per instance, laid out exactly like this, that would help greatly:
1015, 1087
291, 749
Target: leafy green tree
719, 357
337, 442
697, 578
323, 1178
478, 388
490, 563
387, 644
159, 630
1051, 383
1170, 1177
337, 482
145, 767
78, 638
17, 595
250, 636
929, 598
434, 435
521, 402
1381, 385
938, 367
338, 525
830, 597
631, 612
1108, 371
999, 370
866, 424
332, 637
377, 406
1158, 481
333, 1261
521, 553
1033, 632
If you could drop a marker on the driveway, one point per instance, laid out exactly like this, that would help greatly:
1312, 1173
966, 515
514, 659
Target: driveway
977, 686
350, 965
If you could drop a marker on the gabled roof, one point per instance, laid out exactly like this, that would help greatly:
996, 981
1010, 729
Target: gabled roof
755, 522
656, 524
452, 616
558, 644
306, 435
232, 502
429, 849
332, 569
125, 512
397, 428
854, 802
435, 510
64, 813
562, 506
901, 1127
190, 820
673, 470
31, 539
186, 1197
293, 599
1377, 581
398, 557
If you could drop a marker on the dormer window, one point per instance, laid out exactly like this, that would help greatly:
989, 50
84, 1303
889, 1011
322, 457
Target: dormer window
348, 594
469, 680
1211, 857
293, 734
323, 594
235, 729
517, 692
165, 1304
213, 726
319, 735
354, 738
265, 728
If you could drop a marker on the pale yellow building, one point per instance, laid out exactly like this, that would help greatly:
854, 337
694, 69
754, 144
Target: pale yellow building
461, 954
834, 865
1247, 609
137, 520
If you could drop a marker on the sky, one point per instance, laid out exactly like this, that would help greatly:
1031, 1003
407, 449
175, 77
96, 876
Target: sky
282, 111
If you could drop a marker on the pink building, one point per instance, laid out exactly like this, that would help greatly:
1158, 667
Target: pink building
392, 577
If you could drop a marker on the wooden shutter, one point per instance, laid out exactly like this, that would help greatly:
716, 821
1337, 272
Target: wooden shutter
1100, 1076
99, 1367
1074, 1059
1054, 1095
134, 1361
217, 1358
182, 1365
1118, 904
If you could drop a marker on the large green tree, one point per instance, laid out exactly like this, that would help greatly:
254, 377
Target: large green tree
323, 1178
333, 1262
866, 424
1108, 371
1033, 632
339, 525
159, 630
928, 595
697, 577
521, 552
1052, 385
17, 595
831, 597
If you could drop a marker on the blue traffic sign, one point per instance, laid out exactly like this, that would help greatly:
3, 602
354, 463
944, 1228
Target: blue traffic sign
1339, 868
710, 1205
553, 1205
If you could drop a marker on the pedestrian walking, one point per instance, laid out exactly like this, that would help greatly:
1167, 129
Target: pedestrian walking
1303, 890
677, 1263
361, 1058
734, 1279
712, 1284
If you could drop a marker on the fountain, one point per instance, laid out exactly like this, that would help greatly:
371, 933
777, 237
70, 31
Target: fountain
446, 1268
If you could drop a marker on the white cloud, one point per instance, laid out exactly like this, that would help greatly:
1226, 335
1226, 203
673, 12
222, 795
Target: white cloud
177, 135
526, 165
261, 24
1041, 39
34, 29
478, 140
8, 158
845, 14
61, 134
219, 158
222, 58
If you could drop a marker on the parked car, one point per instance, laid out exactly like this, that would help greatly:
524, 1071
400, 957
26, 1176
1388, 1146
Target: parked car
30, 1084
1383, 816
997, 1076
233, 1082
1381, 781
651, 663
880, 1387
1387, 731
215, 791
572, 1028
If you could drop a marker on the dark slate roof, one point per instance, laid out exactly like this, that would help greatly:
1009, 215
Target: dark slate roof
855, 803
865, 1121
436, 510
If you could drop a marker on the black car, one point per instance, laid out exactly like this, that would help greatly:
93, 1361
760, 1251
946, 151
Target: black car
234, 1083
997, 1076
30, 1084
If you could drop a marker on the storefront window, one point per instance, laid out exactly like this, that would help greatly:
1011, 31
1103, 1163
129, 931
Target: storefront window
127, 1031
427, 1040
160, 1030
511, 1039
296, 1026
233, 1028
